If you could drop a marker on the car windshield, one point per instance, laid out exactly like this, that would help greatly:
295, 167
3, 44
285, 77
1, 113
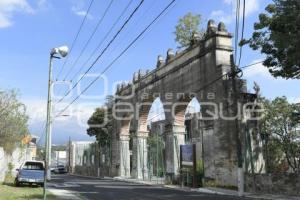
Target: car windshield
33, 166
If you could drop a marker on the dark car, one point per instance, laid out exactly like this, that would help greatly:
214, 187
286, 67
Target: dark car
30, 172
60, 169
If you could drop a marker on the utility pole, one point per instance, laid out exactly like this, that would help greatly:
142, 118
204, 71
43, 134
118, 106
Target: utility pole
157, 156
240, 172
63, 51
69, 170
48, 131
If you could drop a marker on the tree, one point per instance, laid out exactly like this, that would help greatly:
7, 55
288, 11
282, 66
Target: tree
277, 35
100, 126
13, 121
186, 28
40, 153
281, 128
100, 123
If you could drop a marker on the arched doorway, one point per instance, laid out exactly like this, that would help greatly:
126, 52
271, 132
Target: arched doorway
156, 141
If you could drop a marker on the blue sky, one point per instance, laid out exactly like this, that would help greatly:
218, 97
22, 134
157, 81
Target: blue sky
30, 28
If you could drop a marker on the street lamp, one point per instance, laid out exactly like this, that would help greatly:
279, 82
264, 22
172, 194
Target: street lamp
54, 53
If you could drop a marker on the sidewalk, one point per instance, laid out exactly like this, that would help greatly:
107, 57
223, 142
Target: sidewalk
210, 190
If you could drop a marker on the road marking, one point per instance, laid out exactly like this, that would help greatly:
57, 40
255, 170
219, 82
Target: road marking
87, 192
64, 194
64, 185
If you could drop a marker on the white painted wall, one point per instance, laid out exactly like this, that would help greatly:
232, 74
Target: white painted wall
17, 158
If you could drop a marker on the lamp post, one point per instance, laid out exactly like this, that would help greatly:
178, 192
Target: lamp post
62, 51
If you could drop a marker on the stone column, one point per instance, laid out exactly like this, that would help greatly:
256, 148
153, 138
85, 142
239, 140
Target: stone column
174, 138
140, 154
124, 156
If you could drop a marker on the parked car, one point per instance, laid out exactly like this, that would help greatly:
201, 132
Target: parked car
52, 169
60, 169
30, 172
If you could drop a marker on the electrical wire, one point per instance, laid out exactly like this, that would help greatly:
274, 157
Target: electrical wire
226, 75
250, 65
103, 39
243, 29
91, 37
76, 37
237, 22
104, 50
120, 55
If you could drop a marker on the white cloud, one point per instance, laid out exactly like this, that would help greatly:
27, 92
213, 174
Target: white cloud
220, 15
78, 113
251, 6
41, 3
257, 70
74, 123
82, 13
78, 7
10, 7
294, 99
36, 110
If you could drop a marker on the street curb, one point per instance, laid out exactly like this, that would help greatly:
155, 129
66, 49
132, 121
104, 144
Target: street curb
93, 177
186, 189
200, 190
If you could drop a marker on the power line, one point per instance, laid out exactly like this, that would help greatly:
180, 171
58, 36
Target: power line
157, 115
133, 28
237, 22
104, 50
103, 39
91, 36
243, 28
76, 37
227, 74
125, 50
250, 65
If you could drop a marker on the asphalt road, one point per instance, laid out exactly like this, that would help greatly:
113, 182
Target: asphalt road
107, 189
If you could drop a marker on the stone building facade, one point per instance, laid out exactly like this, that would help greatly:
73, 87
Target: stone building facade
195, 72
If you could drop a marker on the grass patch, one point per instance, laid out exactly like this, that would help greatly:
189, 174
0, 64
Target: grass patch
9, 192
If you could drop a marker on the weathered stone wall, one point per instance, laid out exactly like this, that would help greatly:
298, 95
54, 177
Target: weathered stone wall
89, 160
176, 80
281, 183
86, 170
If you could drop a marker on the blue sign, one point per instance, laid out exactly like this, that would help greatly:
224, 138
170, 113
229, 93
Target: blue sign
187, 154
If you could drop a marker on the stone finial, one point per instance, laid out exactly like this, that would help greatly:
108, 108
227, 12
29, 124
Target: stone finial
211, 26
118, 88
123, 85
160, 61
135, 77
170, 55
222, 27
256, 88
195, 38
141, 73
